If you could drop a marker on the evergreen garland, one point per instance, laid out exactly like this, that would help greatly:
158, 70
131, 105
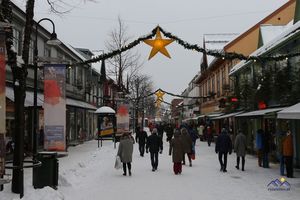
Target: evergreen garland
186, 45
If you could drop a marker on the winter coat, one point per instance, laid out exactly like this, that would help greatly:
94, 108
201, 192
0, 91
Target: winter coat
200, 130
154, 144
288, 149
240, 145
141, 137
279, 140
224, 144
176, 149
125, 149
187, 143
169, 132
259, 139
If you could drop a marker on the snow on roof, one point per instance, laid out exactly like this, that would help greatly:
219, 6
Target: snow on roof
288, 32
216, 42
269, 32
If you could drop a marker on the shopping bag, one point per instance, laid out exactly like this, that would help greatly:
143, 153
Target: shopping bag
118, 163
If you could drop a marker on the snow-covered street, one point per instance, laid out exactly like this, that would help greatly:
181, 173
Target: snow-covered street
88, 173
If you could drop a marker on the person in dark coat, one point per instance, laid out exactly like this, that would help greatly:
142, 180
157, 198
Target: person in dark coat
176, 150
141, 139
223, 147
266, 148
187, 145
169, 132
240, 145
125, 151
160, 131
209, 135
288, 152
259, 146
154, 145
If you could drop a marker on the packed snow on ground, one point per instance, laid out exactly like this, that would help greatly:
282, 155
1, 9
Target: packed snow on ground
88, 173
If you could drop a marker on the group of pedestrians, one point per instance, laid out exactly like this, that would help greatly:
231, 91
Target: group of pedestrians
182, 142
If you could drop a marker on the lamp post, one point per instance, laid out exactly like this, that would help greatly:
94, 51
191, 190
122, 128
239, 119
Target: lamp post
52, 41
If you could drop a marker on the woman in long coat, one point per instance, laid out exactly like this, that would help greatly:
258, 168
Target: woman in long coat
176, 150
240, 146
187, 144
125, 152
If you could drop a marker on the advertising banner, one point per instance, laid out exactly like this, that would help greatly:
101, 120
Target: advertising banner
123, 118
106, 126
2, 104
54, 107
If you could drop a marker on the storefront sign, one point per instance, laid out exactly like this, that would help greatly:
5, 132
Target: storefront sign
2, 103
54, 107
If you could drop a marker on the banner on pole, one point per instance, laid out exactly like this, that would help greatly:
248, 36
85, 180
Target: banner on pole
123, 118
54, 107
2, 104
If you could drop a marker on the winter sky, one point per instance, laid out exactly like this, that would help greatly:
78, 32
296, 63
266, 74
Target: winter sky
89, 23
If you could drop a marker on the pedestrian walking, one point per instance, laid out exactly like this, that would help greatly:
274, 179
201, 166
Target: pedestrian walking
259, 146
288, 152
169, 132
240, 146
154, 145
279, 140
209, 135
187, 145
200, 132
125, 152
176, 150
223, 147
266, 148
160, 130
141, 139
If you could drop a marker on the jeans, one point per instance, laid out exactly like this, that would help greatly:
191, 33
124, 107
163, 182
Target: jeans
223, 163
265, 160
142, 149
129, 168
154, 159
281, 161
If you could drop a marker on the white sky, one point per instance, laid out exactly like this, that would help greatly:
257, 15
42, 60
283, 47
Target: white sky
89, 24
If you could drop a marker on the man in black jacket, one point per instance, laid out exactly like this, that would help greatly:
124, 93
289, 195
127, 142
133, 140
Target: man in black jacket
154, 145
141, 138
223, 147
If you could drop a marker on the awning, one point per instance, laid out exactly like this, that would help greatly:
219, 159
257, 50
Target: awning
200, 116
213, 115
40, 99
292, 112
81, 104
28, 99
228, 115
260, 112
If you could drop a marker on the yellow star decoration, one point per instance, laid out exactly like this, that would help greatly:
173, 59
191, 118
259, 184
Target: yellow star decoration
159, 95
158, 45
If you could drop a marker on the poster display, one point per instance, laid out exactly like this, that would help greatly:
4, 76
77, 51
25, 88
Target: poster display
106, 125
54, 107
123, 118
2, 104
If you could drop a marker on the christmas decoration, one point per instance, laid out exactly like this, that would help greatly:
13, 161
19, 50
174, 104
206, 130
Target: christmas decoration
158, 45
160, 95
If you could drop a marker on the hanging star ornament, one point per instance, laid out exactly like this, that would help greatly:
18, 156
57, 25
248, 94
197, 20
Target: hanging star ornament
159, 95
158, 45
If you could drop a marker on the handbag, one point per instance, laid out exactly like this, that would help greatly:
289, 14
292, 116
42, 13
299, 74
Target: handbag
118, 163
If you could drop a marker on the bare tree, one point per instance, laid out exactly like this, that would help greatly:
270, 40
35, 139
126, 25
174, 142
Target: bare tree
140, 87
128, 61
63, 7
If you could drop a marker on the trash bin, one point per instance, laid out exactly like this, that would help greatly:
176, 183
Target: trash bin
47, 173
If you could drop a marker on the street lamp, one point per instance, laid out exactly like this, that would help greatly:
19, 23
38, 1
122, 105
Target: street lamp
52, 41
